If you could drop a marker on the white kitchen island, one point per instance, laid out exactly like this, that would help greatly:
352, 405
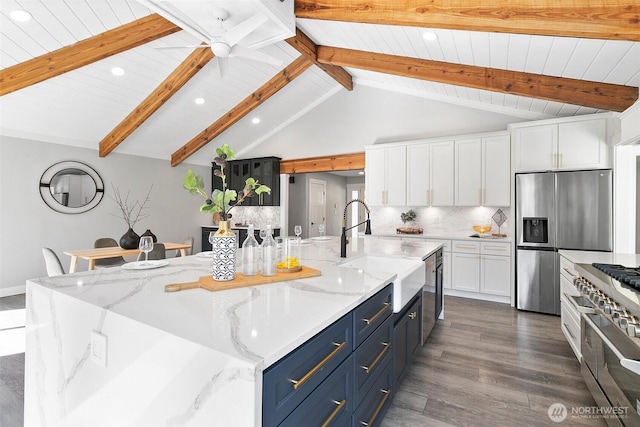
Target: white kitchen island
186, 358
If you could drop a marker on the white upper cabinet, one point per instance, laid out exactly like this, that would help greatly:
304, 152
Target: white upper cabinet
385, 172
441, 166
430, 174
418, 175
483, 168
573, 144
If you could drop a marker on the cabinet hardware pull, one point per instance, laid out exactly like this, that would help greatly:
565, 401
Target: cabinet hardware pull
561, 160
430, 197
335, 412
413, 315
569, 272
369, 368
298, 383
427, 197
554, 162
568, 330
465, 247
495, 248
479, 196
378, 314
378, 408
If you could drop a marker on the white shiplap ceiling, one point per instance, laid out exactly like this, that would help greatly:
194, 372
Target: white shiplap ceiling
82, 106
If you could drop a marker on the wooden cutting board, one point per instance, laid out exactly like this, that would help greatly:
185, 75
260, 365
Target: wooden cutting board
241, 281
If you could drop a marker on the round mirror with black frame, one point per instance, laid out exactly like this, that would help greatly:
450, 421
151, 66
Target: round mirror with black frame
71, 187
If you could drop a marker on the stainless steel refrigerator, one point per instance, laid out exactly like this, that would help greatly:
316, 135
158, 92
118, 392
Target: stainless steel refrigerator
558, 210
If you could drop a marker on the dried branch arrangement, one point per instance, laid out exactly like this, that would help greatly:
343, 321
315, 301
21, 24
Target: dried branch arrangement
130, 212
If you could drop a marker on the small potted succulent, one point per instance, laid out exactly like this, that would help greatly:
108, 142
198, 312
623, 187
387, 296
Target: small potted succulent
409, 216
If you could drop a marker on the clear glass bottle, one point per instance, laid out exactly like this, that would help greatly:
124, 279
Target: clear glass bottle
250, 254
269, 253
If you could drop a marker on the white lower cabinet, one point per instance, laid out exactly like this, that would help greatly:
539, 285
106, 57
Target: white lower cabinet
483, 268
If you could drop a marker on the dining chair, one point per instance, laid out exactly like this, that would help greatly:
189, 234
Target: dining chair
158, 252
186, 241
52, 262
107, 242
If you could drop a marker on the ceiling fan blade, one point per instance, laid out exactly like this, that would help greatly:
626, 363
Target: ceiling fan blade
256, 55
243, 29
222, 64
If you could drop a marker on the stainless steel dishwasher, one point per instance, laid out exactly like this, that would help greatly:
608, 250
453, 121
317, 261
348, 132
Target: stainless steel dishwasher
432, 293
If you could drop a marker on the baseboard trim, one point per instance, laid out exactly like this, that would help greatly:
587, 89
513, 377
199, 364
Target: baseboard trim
477, 295
16, 290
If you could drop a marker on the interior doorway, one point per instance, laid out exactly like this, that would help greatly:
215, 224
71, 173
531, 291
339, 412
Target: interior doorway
317, 207
357, 213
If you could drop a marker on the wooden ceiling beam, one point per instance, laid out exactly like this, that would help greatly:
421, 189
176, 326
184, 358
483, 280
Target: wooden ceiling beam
266, 91
303, 44
169, 87
85, 52
337, 162
609, 20
599, 95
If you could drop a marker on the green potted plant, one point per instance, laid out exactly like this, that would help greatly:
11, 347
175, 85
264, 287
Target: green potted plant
220, 203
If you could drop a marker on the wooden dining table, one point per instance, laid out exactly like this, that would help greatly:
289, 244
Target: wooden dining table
100, 253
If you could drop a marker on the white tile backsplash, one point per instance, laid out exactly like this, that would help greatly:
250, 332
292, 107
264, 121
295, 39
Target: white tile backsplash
259, 216
437, 220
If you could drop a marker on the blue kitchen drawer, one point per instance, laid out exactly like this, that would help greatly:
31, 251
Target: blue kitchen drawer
308, 365
371, 314
375, 404
330, 404
372, 357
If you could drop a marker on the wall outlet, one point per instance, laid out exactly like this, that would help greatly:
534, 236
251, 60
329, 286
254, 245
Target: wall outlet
98, 349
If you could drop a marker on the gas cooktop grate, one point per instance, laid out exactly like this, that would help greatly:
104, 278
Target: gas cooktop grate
629, 276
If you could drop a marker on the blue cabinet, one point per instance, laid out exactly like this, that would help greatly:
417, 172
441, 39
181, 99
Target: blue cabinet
336, 374
287, 383
407, 337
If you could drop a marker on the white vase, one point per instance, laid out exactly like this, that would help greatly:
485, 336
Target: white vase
224, 247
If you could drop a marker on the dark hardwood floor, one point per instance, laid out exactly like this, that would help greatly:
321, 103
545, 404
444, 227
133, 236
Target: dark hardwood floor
486, 364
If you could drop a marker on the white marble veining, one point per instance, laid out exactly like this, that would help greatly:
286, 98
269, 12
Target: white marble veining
437, 221
182, 358
588, 257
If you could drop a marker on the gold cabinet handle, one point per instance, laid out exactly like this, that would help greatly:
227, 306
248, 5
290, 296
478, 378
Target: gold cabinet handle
335, 412
378, 408
369, 368
465, 247
480, 196
378, 314
298, 383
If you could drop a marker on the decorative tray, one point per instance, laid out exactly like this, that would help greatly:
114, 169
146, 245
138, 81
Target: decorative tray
241, 281
409, 230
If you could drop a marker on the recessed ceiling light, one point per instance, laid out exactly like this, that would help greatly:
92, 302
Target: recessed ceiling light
117, 71
429, 36
255, 120
20, 15
199, 101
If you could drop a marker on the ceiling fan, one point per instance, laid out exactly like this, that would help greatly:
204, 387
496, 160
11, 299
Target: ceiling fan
224, 43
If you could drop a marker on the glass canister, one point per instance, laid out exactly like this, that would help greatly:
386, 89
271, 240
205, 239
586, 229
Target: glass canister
289, 260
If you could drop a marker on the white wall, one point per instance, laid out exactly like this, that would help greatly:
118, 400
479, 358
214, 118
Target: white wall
348, 121
299, 202
27, 223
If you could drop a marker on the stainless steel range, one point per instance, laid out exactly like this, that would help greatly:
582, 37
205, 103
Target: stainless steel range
609, 303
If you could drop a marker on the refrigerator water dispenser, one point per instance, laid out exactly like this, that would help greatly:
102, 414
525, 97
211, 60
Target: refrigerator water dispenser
535, 230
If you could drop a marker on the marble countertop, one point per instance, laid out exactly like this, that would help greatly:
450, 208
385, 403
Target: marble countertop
240, 227
451, 236
588, 257
257, 325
